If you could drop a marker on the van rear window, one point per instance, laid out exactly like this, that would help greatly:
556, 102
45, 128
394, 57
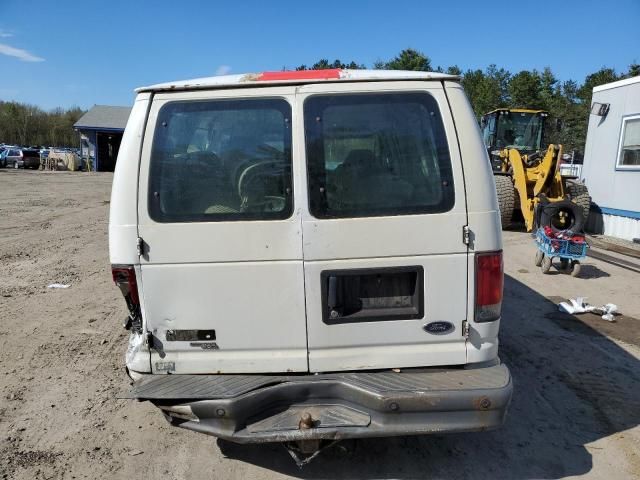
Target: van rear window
376, 154
221, 160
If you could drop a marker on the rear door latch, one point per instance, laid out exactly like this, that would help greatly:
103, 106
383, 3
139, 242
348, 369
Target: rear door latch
466, 235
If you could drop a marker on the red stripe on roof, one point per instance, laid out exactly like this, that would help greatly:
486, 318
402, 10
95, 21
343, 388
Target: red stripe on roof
301, 75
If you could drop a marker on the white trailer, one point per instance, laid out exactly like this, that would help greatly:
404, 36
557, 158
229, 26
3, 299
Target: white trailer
612, 159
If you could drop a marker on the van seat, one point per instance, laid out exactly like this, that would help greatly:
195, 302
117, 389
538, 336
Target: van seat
363, 179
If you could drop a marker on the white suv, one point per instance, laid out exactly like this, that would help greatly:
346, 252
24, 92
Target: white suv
310, 256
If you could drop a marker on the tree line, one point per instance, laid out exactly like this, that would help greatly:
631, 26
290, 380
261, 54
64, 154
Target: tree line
28, 125
568, 102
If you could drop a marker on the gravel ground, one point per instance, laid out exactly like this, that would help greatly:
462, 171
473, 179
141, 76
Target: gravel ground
575, 410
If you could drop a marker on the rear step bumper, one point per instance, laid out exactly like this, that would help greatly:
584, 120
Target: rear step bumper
269, 408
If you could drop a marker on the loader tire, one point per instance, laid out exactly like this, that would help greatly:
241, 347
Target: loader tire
506, 198
579, 195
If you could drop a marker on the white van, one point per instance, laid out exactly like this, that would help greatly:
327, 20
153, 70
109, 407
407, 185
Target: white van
310, 256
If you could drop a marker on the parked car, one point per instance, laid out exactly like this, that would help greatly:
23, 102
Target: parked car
11, 157
310, 256
23, 158
4, 150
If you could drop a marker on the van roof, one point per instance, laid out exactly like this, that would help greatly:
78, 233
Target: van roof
296, 77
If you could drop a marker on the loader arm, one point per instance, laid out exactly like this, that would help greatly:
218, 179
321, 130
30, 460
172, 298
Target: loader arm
519, 172
532, 181
548, 176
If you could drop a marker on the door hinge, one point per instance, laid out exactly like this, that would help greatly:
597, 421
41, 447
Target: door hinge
139, 246
466, 235
465, 329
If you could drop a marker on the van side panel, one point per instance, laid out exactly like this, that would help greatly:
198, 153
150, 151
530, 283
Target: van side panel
483, 216
482, 200
123, 218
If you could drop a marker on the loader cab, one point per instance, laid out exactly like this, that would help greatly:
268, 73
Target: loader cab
521, 129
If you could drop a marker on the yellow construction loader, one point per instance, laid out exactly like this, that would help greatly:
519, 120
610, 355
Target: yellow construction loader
527, 176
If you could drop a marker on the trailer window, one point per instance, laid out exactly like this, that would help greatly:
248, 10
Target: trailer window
221, 160
376, 154
629, 156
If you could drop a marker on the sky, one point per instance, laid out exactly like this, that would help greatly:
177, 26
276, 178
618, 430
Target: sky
71, 53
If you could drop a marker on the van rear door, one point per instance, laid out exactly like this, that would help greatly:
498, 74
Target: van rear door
384, 256
221, 267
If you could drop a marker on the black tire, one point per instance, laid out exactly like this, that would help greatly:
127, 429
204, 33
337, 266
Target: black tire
575, 268
546, 264
579, 194
506, 198
561, 216
564, 264
539, 257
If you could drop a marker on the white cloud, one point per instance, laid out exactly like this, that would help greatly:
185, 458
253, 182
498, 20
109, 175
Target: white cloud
4, 34
223, 70
19, 53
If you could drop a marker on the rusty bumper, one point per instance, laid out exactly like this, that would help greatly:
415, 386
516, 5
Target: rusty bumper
274, 408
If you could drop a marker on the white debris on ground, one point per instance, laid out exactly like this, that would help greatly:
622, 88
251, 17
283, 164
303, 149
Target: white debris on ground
579, 305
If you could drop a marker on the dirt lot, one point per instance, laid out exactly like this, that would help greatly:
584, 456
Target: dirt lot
575, 410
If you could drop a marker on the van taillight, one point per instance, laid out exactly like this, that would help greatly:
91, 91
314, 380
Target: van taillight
125, 279
489, 283
124, 276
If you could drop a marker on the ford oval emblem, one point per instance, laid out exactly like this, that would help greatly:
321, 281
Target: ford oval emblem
438, 328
